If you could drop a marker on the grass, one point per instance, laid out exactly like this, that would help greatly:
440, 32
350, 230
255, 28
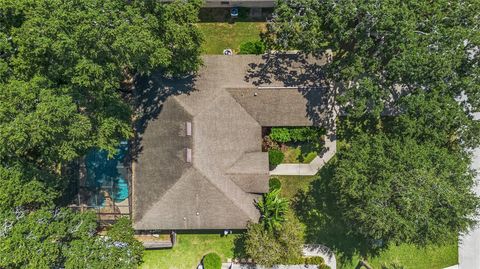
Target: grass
291, 185
188, 251
219, 35
298, 154
413, 258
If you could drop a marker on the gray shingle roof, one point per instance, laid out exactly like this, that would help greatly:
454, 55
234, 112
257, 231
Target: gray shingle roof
228, 171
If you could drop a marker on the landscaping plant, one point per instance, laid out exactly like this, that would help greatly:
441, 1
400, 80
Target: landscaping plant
282, 245
274, 183
275, 157
273, 209
252, 47
212, 261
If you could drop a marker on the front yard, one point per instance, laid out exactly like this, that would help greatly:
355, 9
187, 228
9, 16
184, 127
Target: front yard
411, 257
221, 35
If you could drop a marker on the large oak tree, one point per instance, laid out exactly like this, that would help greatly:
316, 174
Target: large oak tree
66, 70
404, 178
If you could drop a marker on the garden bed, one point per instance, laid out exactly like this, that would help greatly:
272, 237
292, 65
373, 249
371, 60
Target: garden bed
293, 144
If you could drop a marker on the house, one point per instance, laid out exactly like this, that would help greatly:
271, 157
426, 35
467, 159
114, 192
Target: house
201, 164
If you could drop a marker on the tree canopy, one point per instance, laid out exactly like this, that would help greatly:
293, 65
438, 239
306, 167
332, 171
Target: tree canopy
381, 46
406, 78
66, 74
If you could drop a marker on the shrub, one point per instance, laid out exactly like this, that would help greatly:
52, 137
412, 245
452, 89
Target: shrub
284, 134
323, 266
280, 134
252, 47
243, 13
212, 261
274, 184
275, 157
317, 260
268, 143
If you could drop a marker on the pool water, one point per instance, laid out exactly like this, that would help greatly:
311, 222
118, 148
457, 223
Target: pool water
107, 175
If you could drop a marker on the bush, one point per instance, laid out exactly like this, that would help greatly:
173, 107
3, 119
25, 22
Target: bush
212, 261
252, 47
243, 13
274, 184
317, 260
280, 135
283, 134
275, 157
323, 266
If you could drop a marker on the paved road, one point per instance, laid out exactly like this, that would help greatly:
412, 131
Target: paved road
469, 244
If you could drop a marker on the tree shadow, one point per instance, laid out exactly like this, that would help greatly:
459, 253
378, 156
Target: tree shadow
239, 247
304, 72
150, 92
317, 208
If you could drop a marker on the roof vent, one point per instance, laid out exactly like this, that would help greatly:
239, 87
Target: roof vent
255, 94
189, 128
189, 155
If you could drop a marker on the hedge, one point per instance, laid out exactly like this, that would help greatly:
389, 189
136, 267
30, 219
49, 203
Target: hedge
275, 157
252, 47
212, 261
296, 134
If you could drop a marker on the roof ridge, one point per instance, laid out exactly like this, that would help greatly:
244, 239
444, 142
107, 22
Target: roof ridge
237, 191
185, 176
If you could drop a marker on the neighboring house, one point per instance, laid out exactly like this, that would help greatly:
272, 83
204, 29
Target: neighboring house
201, 164
237, 3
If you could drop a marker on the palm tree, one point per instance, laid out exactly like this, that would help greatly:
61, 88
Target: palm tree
272, 209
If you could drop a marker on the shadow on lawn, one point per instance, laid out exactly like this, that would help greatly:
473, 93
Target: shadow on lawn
317, 209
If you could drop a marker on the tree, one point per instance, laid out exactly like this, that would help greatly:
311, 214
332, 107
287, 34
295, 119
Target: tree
118, 249
404, 177
392, 191
47, 238
380, 47
26, 187
76, 56
272, 209
37, 239
281, 246
66, 71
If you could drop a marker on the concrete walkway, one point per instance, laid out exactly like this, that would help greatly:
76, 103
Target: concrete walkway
313, 250
310, 250
309, 169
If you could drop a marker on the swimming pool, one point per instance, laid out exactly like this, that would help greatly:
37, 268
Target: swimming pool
106, 175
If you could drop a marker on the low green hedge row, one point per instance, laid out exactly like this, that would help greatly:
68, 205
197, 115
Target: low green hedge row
252, 47
296, 134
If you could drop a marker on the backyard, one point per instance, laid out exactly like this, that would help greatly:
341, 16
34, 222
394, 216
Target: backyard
221, 35
189, 250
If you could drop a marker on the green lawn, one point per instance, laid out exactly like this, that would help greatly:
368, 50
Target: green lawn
406, 255
414, 258
299, 153
188, 251
292, 184
219, 36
